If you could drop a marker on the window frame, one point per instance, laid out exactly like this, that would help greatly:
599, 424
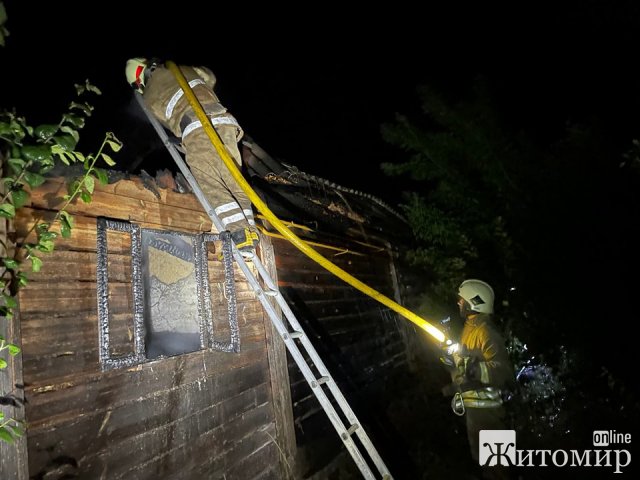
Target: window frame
203, 291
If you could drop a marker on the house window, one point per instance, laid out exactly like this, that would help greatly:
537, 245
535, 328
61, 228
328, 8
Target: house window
158, 296
172, 321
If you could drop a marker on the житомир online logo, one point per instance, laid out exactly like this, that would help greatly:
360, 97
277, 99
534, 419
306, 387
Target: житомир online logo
498, 447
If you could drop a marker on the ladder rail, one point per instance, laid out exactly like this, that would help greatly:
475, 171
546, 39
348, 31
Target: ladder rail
308, 374
344, 433
323, 370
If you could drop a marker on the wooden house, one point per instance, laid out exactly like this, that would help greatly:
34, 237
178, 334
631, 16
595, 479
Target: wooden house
145, 353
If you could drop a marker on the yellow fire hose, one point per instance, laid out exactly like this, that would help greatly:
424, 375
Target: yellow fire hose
278, 225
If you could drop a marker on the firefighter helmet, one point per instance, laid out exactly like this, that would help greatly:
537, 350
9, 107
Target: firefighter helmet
135, 71
478, 294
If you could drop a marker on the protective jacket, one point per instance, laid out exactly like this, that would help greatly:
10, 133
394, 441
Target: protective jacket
487, 355
167, 101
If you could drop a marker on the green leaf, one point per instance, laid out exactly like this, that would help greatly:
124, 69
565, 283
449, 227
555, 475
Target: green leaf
114, 143
73, 186
43, 227
13, 349
89, 183
36, 263
65, 230
80, 156
19, 198
33, 179
67, 217
17, 131
67, 142
9, 301
4, 433
45, 246
35, 153
17, 431
16, 164
3, 17
45, 132
66, 224
1, 415
74, 133
22, 279
85, 196
108, 160
74, 120
10, 263
3, 364
5, 129
84, 107
7, 210
61, 153
92, 88
102, 176
48, 236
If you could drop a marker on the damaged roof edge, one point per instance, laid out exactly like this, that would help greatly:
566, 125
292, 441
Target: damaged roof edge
290, 193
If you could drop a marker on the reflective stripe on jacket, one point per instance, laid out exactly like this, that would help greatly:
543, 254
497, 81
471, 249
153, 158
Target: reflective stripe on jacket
167, 101
488, 397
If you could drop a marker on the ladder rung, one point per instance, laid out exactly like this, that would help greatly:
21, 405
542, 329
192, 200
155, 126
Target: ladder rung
271, 293
295, 334
324, 379
350, 430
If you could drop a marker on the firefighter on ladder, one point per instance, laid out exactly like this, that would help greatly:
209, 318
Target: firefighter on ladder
166, 100
480, 369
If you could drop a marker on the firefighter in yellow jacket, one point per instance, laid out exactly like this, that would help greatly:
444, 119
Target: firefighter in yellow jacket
481, 369
167, 102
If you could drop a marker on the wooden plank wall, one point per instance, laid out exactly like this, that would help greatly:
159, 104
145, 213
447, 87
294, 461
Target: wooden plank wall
357, 338
205, 414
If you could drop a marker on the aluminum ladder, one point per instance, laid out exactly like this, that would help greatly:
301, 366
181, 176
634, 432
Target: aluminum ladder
290, 333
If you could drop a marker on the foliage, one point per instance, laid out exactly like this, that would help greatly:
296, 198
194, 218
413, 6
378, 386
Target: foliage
28, 153
485, 197
32, 152
461, 161
9, 429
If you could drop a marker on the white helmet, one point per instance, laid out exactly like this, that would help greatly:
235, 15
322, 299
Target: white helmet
135, 71
478, 294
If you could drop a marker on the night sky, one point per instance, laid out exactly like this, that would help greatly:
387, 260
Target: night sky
312, 86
